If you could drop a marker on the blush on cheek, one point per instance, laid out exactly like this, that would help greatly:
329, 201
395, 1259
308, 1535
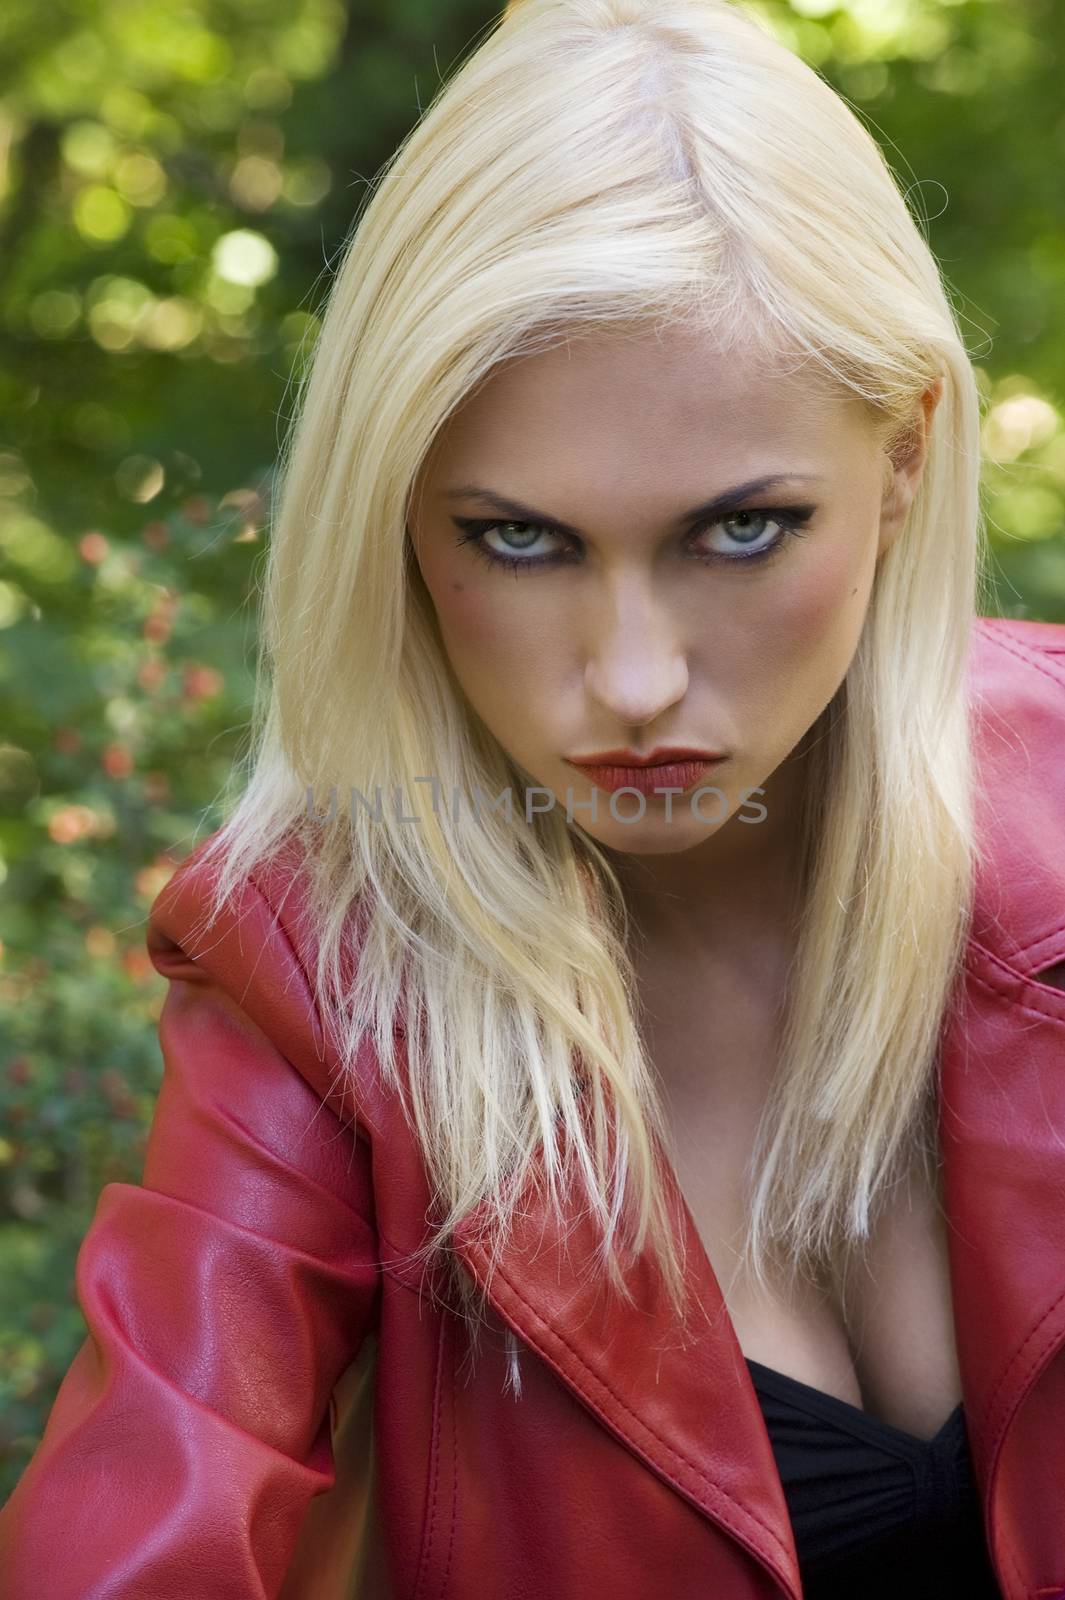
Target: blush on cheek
469, 620
824, 601
503, 631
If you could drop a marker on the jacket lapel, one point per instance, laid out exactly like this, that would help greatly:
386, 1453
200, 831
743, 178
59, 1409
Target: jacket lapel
688, 1410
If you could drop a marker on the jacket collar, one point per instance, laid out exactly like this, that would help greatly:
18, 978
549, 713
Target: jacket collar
690, 1411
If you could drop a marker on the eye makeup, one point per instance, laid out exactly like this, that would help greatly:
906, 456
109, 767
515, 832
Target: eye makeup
791, 522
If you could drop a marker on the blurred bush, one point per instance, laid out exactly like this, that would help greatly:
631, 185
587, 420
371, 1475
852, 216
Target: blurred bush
175, 185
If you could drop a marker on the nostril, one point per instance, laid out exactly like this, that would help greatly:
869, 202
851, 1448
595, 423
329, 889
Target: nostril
1055, 977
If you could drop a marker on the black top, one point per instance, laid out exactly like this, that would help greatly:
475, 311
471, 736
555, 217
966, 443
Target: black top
876, 1512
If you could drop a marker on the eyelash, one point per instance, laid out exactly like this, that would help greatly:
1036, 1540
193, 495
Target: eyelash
792, 520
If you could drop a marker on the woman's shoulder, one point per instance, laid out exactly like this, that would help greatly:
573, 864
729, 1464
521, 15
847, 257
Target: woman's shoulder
1017, 675
1017, 682
1011, 648
257, 946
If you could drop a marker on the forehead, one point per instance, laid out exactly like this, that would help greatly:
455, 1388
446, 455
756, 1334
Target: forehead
626, 401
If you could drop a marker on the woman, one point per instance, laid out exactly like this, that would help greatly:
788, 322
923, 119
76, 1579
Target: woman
615, 1048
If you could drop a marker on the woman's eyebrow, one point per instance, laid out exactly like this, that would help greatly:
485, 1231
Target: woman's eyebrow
709, 508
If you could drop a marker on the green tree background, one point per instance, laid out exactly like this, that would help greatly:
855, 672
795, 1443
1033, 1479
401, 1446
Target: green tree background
175, 185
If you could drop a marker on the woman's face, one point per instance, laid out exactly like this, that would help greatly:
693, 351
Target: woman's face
647, 624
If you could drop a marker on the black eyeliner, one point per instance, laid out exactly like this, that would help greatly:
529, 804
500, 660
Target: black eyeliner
793, 520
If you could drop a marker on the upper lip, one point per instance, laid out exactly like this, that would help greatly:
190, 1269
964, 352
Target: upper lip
653, 758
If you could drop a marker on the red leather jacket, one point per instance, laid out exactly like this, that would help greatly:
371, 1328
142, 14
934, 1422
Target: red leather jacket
268, 1404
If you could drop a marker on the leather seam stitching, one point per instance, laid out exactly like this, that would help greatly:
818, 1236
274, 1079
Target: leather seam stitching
1017, 977
433, 1487
1015, 648
671, 1449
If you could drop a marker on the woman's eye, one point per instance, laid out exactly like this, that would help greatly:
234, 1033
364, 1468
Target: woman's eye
529, 544
747, 535
530, 536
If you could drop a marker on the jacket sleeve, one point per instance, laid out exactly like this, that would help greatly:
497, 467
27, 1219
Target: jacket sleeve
224, 1295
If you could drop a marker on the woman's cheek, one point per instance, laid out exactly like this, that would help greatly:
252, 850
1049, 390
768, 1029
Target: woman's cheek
472, 621
479, 625
827, 601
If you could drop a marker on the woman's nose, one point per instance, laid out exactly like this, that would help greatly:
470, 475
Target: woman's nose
635, 664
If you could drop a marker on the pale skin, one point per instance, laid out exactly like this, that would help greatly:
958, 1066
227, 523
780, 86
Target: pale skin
627, 638
637, 641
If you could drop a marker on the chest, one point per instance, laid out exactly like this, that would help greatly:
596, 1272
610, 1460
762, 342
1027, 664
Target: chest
883, 1338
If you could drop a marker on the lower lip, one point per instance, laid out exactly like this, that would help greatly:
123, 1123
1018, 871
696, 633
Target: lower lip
682, 775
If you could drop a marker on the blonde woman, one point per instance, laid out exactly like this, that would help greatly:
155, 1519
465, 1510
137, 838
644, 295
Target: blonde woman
611, 1141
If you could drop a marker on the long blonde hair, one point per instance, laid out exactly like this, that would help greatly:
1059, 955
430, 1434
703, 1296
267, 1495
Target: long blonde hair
603, 165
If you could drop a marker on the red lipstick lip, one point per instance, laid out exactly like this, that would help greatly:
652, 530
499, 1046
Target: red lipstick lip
656, 758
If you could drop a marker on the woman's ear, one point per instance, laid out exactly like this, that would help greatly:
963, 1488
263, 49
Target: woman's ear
904, 465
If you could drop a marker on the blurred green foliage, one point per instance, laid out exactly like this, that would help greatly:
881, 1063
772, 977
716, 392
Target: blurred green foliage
175, 185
